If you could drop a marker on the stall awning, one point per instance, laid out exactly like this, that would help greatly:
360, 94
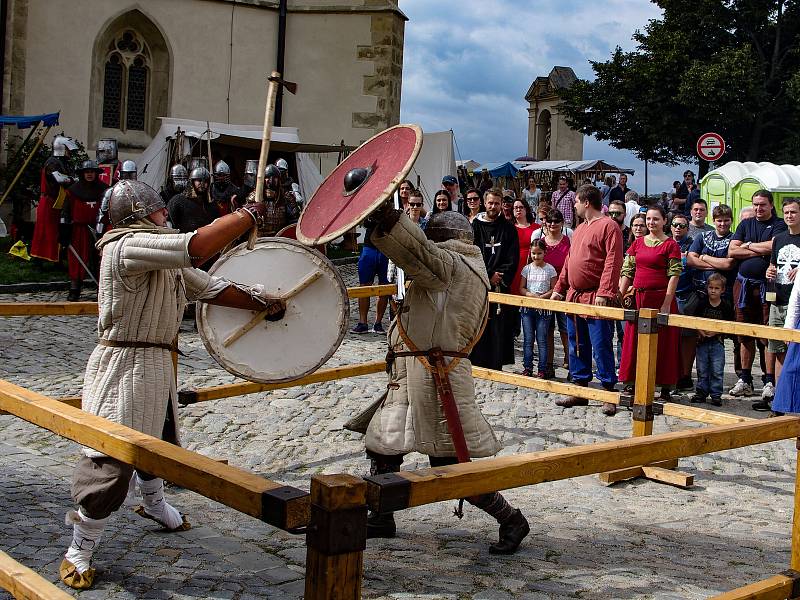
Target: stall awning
575, 166
24, 122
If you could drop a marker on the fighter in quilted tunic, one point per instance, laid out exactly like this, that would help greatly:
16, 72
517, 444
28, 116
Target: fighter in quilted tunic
147, 275
444, 308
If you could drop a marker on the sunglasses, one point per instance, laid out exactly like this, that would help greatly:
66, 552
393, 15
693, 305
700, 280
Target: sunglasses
680, 225
473, 199
615, 213
551, 222
415, 204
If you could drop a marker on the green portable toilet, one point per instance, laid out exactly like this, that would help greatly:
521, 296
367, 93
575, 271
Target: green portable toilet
782, 180
717, 185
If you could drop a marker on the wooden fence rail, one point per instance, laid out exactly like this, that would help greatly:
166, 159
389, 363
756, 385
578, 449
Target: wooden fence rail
25, 584
416, 488
767, 332
777, 587
282, 506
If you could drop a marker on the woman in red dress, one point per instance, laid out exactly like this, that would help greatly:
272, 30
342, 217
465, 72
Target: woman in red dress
652, 266
523, 219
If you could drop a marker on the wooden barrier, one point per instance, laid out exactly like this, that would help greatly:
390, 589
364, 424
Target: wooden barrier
777, 587
25, 584
282, 506
190, 396
555, 387
758, 331
571, 308
415, 488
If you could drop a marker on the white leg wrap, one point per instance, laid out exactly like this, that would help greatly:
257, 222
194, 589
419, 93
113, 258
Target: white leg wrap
130, 499
156, 505
86, 535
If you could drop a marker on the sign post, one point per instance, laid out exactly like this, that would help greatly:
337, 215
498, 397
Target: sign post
710, 146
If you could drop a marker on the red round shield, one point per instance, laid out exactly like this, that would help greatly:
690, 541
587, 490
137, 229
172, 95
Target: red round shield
331, 212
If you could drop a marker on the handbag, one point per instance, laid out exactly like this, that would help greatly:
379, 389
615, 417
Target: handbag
628, 300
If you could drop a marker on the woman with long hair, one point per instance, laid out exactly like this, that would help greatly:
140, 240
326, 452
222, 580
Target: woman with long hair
523, 222
638, 228
474, 204
441, 202
653, 266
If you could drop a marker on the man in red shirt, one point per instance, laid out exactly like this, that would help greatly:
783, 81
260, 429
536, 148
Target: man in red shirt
591, 276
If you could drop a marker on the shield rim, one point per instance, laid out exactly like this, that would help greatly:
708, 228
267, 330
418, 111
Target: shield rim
201, 318
387, 192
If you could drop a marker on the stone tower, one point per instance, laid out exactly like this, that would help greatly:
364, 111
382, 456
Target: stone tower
549, 136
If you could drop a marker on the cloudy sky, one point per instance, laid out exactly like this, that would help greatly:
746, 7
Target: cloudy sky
467, 65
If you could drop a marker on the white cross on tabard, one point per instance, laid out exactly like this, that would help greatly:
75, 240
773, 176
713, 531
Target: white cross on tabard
492, 245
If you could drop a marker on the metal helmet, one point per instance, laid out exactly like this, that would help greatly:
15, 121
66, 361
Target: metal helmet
89, 165
449, 225
128, 170
222, 169
179, 177
200, 173
61, 144
282, 164
272, 179
251, 167
132, 201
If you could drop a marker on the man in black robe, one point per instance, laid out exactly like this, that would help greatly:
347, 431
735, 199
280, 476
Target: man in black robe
499, 244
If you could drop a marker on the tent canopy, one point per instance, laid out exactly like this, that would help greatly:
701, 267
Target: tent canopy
153, 162
576, 166
496, 169
23, 122
435, 160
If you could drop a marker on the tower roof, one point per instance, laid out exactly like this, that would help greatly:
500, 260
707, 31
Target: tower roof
559, 78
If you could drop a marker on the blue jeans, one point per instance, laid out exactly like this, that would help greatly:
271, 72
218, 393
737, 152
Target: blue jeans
535, 323
710, 367
587, 338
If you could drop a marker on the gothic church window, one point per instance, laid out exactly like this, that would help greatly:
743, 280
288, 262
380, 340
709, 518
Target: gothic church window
125, 83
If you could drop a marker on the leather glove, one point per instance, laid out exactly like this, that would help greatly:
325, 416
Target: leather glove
257, 210
64, 234
384, 217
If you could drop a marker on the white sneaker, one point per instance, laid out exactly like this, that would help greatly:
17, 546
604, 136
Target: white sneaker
768, 393
741, 389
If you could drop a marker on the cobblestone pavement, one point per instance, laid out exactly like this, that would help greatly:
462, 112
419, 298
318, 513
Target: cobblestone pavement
633, 540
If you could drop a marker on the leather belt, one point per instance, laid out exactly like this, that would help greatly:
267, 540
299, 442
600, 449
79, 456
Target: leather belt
121, 344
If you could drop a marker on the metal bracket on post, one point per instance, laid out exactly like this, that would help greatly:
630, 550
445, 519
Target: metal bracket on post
663, 319
388, 492
642, 412
630, 314
795, 577
625, 399
275, 506
648, 325
186, 397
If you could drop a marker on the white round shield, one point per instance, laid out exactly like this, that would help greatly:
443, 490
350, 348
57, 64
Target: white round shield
315, 322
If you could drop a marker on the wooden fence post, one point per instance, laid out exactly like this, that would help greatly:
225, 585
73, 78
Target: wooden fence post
795, 562
646, 363
336, 538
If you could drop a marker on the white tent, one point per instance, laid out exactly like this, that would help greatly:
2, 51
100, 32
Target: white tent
154, 161
436, 159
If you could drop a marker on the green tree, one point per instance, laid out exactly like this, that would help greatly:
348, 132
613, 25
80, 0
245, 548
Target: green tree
730, 66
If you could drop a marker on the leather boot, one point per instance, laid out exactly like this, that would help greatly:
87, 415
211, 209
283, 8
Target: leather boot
513, 524
382, 525
74, 292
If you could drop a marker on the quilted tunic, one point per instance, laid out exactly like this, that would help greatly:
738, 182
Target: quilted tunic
443, 308
145, 281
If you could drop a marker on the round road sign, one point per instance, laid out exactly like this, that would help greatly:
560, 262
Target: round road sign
710, 146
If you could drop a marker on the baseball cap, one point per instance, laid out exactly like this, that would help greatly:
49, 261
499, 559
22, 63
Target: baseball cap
449, 180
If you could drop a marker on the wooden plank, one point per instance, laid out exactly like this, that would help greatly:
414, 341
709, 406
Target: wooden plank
555, 387
646, 364
216, 392
758, 331
574, 308
234, 487
24, 583
777, 587
676, 478
495, 474
702, 415
30, 309
612, 477
367, 291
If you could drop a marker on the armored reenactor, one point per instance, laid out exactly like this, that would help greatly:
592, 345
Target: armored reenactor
282, 209
56, 177
146, 278
223, 192
442, 316
127, 171
193, 208
287, 183
78, 219
175, 183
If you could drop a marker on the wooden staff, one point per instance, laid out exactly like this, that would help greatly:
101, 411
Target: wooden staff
272, 93
210, 162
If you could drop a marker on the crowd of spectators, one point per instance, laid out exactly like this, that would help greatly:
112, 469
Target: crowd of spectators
670, 259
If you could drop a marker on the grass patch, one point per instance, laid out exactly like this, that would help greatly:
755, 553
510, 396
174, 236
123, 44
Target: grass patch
16, 270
